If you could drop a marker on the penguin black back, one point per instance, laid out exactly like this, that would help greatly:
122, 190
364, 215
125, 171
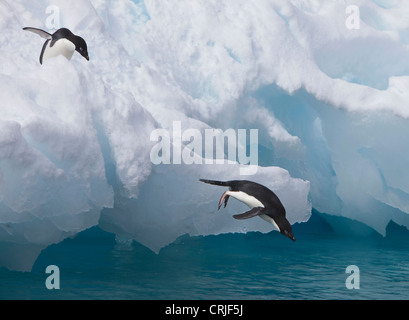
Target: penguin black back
267, 197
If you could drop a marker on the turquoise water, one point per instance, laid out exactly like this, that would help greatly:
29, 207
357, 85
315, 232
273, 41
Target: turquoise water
233, 266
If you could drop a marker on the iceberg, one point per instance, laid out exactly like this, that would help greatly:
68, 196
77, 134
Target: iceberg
330, 104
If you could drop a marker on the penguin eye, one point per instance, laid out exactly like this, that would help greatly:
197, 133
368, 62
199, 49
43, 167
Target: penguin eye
81, 49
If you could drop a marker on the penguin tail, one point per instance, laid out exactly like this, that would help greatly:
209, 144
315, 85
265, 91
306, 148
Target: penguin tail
216, 183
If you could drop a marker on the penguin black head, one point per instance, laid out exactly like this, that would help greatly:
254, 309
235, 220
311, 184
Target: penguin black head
286, 230
81, 47
288, 233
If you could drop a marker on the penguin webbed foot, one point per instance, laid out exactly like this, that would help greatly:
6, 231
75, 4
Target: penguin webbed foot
225, 198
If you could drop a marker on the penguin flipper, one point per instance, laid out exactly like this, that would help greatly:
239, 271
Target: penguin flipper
43, 50
250, 214
216, 183
41, 33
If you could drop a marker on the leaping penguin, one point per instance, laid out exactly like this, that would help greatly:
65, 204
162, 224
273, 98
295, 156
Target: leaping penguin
262, 202
62, 42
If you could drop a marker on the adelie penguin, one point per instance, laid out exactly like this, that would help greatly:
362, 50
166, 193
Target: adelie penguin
262, 202
62, 42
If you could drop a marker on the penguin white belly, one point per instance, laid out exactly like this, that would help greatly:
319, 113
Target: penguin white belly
61, 47
250, 201
270, 220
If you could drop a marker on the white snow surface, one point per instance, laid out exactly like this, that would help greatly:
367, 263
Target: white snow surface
331, 105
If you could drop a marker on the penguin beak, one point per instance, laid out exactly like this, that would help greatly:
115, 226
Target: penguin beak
289, 235
87, 57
